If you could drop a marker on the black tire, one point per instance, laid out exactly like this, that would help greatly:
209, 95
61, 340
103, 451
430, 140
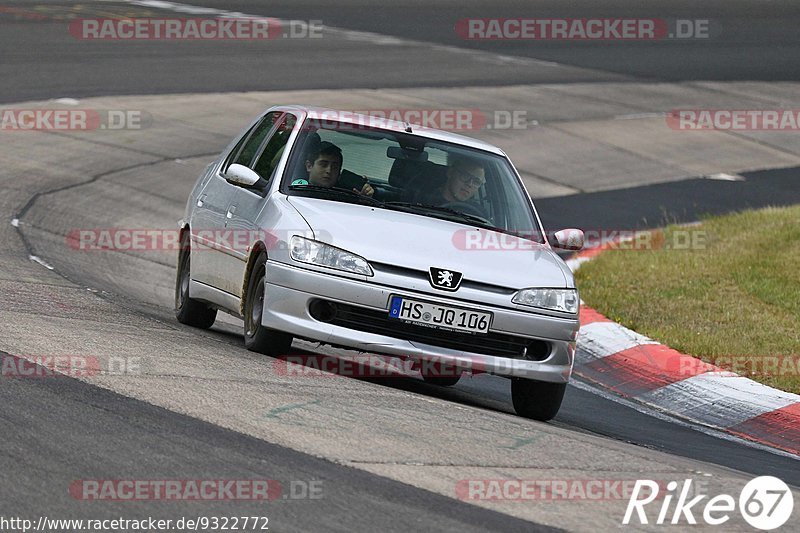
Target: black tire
538, 400
188, 310
441, 381
439, 374
258, 338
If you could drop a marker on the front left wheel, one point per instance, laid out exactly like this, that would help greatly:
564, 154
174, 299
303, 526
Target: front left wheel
257, 337
538, 400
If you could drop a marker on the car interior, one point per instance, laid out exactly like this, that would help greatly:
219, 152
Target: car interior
402, 168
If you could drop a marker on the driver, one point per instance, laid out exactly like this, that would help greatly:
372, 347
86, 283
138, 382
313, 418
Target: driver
324, 167
465, 176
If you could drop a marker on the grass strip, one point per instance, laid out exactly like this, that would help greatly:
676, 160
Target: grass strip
726, 291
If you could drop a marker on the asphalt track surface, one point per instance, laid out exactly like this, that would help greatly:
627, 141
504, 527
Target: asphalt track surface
45, 415
675, 202
65, 430
747, 40
751, 41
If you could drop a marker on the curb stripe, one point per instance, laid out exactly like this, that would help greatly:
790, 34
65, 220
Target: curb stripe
601, 339
779, 428
642, 369
721, 400
590, 316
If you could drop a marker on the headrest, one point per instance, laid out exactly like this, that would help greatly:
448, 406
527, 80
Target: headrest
405, 171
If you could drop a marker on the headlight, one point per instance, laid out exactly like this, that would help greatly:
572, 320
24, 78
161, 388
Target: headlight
565, 300
317, 253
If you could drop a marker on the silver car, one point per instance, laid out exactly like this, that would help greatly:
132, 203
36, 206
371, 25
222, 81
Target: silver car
382, 237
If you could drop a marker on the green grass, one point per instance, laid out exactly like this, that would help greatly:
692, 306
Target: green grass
733, 297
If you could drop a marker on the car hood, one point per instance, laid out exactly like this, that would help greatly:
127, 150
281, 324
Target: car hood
420, 242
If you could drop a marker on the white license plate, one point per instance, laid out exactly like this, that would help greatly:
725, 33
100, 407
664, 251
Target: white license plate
439, 316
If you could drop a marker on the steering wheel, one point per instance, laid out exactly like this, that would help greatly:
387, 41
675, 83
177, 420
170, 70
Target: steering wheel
468, 208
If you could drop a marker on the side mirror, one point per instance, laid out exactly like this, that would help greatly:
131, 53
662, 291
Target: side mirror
568, 239
243, 177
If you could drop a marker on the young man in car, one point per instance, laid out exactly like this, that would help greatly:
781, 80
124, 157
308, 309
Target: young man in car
324, 167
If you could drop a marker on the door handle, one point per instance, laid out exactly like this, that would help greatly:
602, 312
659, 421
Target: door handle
231, 211
201, 200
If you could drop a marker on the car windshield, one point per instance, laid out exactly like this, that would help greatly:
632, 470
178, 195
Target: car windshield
342, 162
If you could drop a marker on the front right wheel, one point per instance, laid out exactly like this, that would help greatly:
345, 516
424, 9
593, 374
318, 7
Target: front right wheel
257, 337
440, 374
539, 400
188, 310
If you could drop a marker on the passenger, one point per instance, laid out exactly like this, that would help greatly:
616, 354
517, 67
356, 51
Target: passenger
465, 176
324, 167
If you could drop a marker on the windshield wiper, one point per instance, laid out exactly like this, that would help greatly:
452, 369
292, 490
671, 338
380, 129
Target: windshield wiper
486, 224
438, 208
336, 190
400, 206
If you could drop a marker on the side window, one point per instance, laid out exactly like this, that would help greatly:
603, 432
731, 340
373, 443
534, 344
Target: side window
362, 156
273, 150
248, 147
236, 149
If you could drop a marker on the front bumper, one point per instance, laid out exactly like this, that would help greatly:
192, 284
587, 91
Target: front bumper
289, 291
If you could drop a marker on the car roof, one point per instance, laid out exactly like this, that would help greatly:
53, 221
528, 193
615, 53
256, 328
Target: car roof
351, 117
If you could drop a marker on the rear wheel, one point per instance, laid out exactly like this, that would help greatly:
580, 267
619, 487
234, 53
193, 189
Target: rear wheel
188, 310
538, 400
258, 338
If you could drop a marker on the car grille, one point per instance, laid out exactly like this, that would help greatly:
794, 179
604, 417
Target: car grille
497, 344
421, 275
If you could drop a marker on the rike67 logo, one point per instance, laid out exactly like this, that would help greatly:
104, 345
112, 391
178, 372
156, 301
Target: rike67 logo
765, 503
